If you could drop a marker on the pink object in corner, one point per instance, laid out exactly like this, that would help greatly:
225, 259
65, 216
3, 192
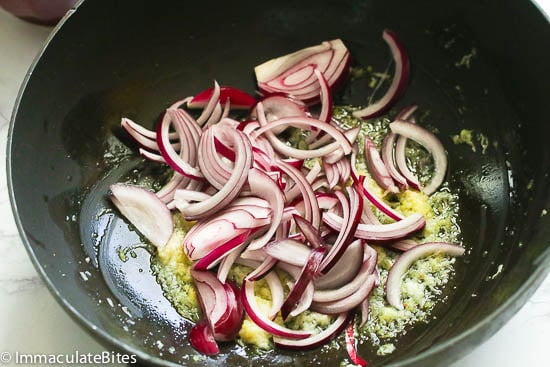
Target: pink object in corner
38, 11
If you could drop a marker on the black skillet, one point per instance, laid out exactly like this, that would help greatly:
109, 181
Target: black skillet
114, 58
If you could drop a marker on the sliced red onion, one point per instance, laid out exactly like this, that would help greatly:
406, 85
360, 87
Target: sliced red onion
332, 295
288, 251
145, 211
348, 303
326, 98
332, 174
221, 251
399, 82
293, 74
277, 293
302, 122
243, 161
263, 186
190, 195
377, 168
305, 300
202, 239
311, 234
144, 141
376, 201
403, 245
309, 270
346, 235
368, 216
250, 201
216, 115
406, 112
167, 192
212, 296
344, 270
311, 207
365, 311
264, 268
190, 126
338, 154
210, 105
279, 106
387, 157
381, 232
224, 150
228, 261
313, 173
202, 339
403, 262
344, 167
128, 124
239, 99
318, 339
262, 320
215, 169
169, 154
152, 156
351, 346
429, 141
227, 328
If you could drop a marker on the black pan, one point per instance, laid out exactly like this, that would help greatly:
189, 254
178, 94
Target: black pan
132, 58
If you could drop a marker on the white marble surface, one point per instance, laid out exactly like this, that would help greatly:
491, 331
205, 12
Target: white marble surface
32, 322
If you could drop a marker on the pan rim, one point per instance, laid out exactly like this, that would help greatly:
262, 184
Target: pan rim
491, 323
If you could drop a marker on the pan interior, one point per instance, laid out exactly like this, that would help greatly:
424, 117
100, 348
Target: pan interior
66, 147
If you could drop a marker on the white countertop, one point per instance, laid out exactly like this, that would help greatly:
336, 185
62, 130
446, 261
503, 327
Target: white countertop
32, 322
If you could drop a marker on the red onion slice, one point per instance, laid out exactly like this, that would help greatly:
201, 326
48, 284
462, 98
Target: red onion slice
429, 141
260, 319
221, 251
377, 168
222, 198
311, 207
387, 157
227, 328
403, 262
145, 211
212, 296
311, 234
381, 232
210, 105
228, 261
263, 186
152, 156
401, 161
293, 74
302, 122
128, 125
399, 82
264, 268
346, 235
351, 346
289, 251
318, 339
277, 293
309, 270
332, 295
279, 106
348, 303
202, 339
167, 150
406, 112
326, 98
239, 99
376, 201
344, 270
